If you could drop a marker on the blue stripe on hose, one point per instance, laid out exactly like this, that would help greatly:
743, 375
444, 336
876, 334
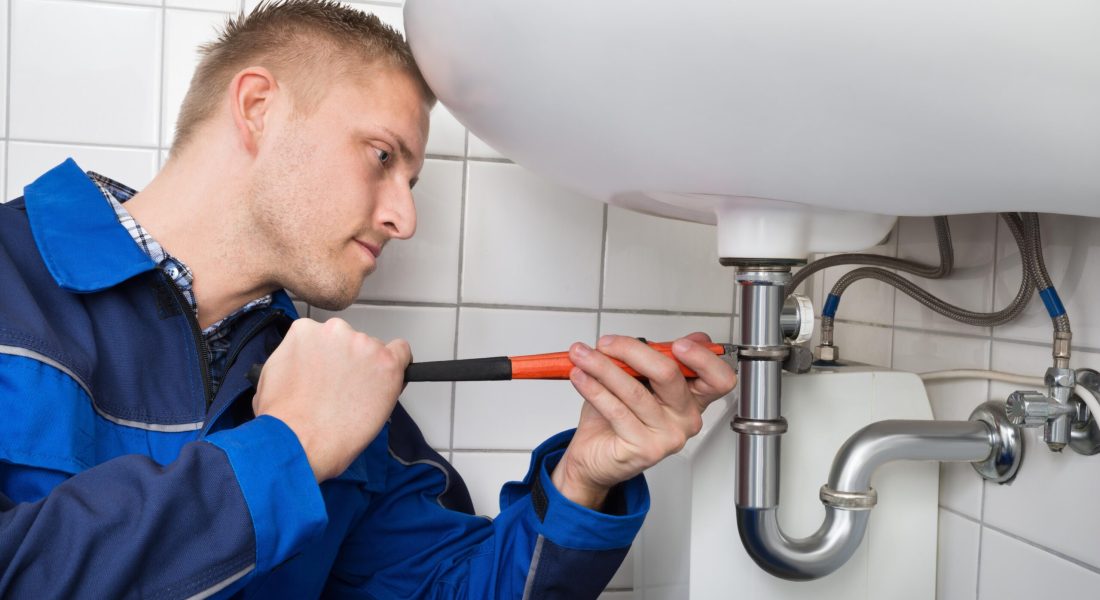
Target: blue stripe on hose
1053, 302
831, 304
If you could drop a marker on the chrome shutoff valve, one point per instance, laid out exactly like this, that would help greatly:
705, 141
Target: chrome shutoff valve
1035, 409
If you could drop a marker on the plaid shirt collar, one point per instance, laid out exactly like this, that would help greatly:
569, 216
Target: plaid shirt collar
179, 273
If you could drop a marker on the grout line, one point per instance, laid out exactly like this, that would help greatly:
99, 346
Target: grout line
7, 104
119, 3
461, 264
603, 271
160, 90
506, 161
568, 309
449, 157
83, 144
973, 336
960, 514
1040, 547
981, 539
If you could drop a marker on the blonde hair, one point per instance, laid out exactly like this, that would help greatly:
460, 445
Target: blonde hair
305, 41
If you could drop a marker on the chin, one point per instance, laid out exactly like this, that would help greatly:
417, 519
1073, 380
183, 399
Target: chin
333, 299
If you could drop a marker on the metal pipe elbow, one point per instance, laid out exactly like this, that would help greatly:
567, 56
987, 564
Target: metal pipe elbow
801, 559
842, 531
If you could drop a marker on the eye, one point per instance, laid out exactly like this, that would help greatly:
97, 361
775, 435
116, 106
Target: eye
383, 156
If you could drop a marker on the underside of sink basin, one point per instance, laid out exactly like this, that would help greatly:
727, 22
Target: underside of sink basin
938, 107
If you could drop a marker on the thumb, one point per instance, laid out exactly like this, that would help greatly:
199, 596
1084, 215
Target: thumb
401, 351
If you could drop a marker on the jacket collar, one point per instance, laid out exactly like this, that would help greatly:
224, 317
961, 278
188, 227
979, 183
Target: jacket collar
80, 239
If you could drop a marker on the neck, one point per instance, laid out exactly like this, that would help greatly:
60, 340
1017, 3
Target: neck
198, 217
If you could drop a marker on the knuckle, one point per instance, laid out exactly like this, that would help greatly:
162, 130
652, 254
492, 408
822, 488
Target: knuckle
695, 425
666, 371
729, 380
677, 442
638, 394
618, 412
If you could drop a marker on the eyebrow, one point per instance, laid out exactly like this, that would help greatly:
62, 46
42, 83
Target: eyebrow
404, 149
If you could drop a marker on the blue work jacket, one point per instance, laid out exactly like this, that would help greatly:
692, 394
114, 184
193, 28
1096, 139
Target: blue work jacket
122, 475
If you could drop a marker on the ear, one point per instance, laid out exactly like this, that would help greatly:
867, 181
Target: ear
252, 94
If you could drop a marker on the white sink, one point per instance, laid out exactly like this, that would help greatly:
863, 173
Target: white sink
796, 125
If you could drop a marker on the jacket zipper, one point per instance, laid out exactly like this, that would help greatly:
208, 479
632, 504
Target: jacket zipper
264, 322
200, 342
232, 358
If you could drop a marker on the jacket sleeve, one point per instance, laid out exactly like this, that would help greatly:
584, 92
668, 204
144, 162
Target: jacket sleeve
420, 540
131, 527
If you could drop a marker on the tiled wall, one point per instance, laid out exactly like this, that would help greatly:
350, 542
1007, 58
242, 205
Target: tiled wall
503, 262
1037, 537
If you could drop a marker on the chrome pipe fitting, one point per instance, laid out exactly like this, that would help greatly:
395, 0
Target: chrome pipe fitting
849, 498
761, 351
988, 438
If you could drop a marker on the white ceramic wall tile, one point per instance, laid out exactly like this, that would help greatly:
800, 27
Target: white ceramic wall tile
485, 473
142, 2
657, 263
532, 410
1014, 570
446, 136
960, 486
866, 300
1071, 249
430, 333
84, 72
529, 242
4, 173
620, 595
226, 6
479, 149
861, 343
624, 577
1025, 359
664, 328
957, 560
4, 33
970, 284
1068, 479
184, 31
29, 160
924, 352
425, 268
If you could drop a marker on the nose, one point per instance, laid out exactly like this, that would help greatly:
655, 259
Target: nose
397, 212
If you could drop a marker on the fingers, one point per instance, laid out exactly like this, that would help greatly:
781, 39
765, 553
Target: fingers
624, 422
716, 377
626, 388
665, 378
401, 351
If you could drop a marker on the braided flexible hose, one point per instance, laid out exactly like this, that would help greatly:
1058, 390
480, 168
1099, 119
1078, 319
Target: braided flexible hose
982, 319
1039, 267
947, 260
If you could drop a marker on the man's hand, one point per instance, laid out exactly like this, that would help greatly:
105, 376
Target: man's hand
334, 387
627, 427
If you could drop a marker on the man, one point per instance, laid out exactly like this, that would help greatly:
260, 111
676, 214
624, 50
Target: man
135, 457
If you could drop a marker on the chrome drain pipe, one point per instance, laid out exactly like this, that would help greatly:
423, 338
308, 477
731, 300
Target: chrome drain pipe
988, 439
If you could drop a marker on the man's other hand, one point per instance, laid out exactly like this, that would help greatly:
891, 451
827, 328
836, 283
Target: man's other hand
334, 387
626, 426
